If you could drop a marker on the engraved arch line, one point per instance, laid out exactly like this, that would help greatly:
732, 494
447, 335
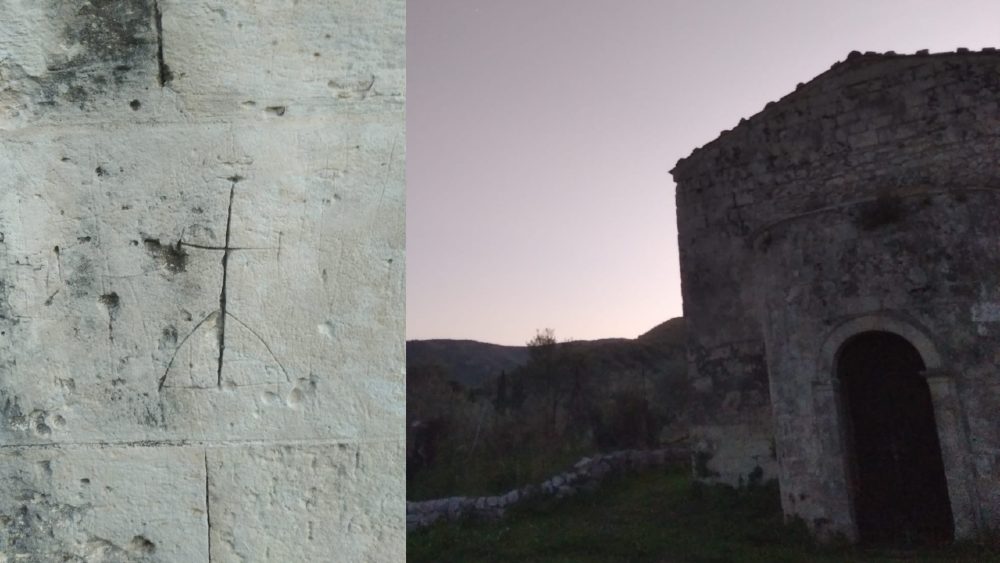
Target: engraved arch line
212, 315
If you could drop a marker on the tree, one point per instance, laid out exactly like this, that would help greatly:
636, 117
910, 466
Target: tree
501, 401
433, 405
544, 341
545, 371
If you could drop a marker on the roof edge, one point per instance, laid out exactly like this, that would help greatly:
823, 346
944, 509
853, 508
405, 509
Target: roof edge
853, 61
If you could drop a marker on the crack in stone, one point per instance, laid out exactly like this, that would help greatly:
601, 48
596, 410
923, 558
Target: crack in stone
208, 510
206, 247
163, 76
183, 443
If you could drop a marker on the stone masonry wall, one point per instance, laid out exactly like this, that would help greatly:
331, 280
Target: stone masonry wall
866, 198
586, 475
201, 280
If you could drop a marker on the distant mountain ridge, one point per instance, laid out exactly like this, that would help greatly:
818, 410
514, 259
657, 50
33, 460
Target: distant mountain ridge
474, 364
468, 362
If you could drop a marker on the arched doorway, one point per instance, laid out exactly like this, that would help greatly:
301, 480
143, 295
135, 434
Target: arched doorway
898, 482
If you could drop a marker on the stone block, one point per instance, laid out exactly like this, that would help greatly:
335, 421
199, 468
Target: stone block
103, 504
307, 503
272, 58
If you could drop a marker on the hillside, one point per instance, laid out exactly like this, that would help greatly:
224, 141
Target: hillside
662, 343
467, 362
473, 364
555, 404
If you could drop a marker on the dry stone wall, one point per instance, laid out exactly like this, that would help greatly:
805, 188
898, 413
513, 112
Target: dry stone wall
586, 475
201, 280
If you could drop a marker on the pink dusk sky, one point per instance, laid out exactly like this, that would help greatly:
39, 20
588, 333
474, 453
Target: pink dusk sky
540, 135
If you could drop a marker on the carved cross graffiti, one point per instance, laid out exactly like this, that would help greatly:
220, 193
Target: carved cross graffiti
220, 315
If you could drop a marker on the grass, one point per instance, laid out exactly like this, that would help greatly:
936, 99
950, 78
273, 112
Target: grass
657, 517
479, 475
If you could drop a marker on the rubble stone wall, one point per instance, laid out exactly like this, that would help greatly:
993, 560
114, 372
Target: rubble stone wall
865, 200
586, 475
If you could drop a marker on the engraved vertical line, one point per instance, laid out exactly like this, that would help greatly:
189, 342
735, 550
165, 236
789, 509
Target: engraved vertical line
222, 295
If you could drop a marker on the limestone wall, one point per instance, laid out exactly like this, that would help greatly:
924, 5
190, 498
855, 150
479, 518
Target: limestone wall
201, 280
586, 475
865, 200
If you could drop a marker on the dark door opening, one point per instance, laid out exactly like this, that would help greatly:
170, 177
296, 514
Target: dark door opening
900, 493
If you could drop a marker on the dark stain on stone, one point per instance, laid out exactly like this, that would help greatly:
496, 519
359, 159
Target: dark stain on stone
10, 412
76, 93
135, 105
885, 210
701, 468
100, 171
109, 38
119, 73
169, 337
172, 256
111, 301
81, 274
111, 30
276, 110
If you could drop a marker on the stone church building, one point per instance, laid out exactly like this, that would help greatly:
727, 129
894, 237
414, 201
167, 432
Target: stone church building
840, 259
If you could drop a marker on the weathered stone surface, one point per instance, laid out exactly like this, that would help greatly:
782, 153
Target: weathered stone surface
287, 57
103, 504
307, 503
866, 200
201, 267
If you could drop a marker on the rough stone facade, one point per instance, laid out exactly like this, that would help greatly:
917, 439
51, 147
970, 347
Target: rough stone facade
866, 200
201, 280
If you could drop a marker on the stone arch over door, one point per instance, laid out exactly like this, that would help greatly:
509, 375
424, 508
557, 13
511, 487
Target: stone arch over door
947, 412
